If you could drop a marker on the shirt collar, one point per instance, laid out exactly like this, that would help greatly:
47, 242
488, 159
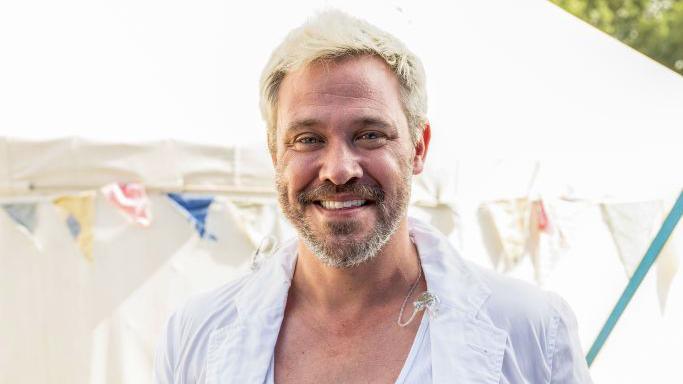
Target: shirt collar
447, 276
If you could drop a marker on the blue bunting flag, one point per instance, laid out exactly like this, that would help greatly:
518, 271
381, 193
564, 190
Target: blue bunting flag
195, 209
23, 214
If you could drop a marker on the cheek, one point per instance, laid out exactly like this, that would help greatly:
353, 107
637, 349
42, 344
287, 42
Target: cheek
298, 173
388, 169
403, 158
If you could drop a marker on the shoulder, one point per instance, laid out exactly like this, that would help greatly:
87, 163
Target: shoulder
528, 314
543, 341
182, 348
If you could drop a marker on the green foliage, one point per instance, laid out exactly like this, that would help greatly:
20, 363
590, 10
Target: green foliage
653, 27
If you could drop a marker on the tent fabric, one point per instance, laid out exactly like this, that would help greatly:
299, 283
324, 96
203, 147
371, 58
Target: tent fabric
68, 319
78, 164
516, 78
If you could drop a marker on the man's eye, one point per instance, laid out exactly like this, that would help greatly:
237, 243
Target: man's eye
308, 140
371, 140
369, 136
306, 143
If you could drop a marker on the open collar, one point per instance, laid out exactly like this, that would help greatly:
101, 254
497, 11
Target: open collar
465, 347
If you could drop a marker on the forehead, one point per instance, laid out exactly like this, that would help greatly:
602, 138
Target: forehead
363, 84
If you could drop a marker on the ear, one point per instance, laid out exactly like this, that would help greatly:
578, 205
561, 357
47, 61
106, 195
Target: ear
421, 148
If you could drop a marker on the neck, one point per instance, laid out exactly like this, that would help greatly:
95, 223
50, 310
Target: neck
381, 281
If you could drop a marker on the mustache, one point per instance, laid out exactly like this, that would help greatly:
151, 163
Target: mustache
327, 189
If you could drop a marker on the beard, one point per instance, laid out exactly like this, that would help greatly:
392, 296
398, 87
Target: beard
334, 243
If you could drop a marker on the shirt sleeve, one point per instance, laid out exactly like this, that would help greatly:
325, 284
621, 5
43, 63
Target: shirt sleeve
567, 361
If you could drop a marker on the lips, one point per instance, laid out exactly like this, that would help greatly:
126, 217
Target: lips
341, 199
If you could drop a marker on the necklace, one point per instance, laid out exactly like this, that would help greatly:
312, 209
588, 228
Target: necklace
410, 293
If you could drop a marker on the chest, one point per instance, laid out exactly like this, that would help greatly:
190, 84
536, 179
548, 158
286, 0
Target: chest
309, 352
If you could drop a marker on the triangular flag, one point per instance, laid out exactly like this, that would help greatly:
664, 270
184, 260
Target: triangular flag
131, 199
24, 214
195, 209
632, 226
667, 267
514, 228
505, 230
541, 215
78, 213
256, 220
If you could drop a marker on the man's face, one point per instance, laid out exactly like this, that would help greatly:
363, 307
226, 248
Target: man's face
344, 157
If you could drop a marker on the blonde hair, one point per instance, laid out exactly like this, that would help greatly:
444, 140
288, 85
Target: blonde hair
334, 35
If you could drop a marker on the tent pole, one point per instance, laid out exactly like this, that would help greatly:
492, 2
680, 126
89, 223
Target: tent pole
638, 276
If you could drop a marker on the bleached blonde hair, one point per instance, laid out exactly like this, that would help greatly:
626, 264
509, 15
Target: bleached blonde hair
335, 35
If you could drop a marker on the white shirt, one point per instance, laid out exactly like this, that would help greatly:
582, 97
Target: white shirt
489, 329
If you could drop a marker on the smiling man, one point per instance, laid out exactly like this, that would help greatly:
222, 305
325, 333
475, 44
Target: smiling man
364, 294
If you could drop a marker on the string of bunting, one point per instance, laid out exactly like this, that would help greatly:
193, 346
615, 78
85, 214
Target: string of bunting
512, 229
77, 211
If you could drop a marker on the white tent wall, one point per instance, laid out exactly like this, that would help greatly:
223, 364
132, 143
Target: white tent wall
509, 83
66, 319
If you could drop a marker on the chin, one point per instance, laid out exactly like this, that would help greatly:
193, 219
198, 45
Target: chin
349, 248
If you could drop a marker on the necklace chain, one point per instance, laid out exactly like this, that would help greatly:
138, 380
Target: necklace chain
405, 301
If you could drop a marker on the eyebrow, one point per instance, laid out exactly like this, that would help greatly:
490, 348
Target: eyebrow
301, 124
298, 125
373, 122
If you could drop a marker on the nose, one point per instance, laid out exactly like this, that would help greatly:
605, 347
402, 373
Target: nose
340, 164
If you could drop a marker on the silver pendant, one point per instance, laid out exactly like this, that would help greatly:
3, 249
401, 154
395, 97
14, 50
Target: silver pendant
428, 301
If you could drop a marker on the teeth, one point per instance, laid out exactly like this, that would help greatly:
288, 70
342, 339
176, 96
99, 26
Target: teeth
341, 204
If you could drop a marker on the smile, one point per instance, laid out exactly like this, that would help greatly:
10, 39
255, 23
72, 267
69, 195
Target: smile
329, 204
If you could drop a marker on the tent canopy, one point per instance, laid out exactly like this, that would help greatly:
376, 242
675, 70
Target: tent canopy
504, 78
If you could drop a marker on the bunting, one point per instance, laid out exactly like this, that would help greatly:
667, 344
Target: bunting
23, 214
195, 210
131, 199
633, 226
667, 267
505, 229
512, 229
78, 214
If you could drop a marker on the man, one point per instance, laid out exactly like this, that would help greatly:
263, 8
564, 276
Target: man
345, 105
